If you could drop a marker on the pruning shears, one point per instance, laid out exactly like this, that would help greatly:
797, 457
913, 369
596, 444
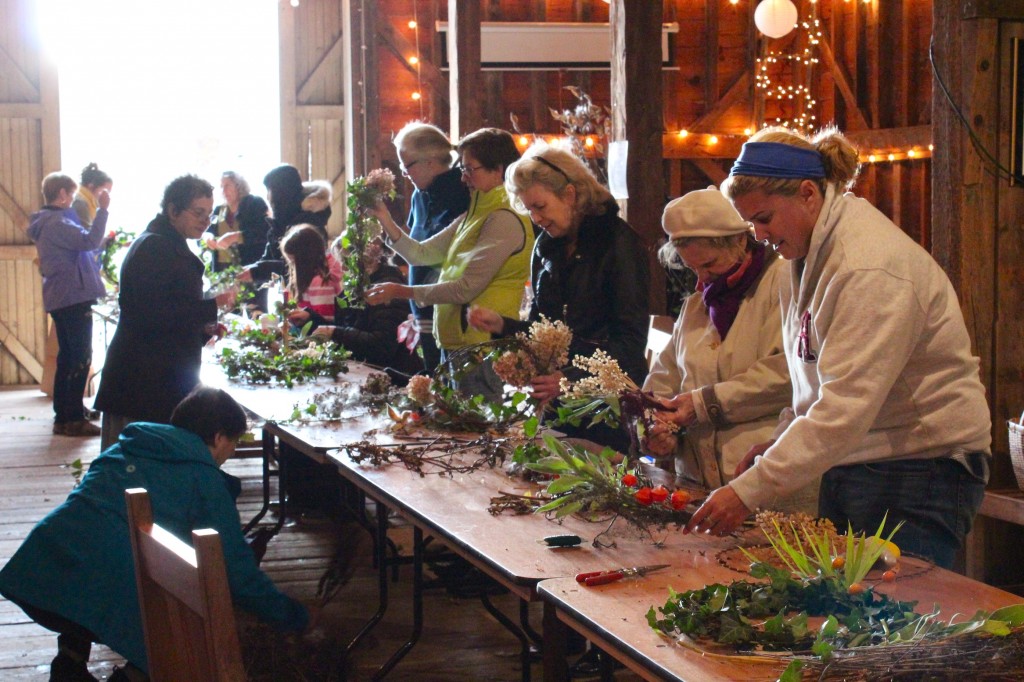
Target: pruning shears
604, 577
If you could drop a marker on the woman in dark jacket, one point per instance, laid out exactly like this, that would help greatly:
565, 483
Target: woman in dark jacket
154, 358
370, 332
292, 203
238, 231
589, 268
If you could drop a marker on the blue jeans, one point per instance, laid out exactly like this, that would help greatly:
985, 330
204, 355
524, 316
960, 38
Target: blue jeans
74, 358
936, 498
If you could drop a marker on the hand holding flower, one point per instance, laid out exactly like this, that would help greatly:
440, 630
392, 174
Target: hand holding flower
485, 319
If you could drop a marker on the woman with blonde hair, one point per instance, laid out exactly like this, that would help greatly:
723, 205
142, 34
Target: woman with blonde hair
238, 230
589, 267
888, 406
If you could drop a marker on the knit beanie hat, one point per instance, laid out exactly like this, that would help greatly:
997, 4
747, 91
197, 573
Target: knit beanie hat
702, 213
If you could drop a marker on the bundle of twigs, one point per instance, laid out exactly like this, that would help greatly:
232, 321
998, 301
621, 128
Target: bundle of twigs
434, 455
976, 656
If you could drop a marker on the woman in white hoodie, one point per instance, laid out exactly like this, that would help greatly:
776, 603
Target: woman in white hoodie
888, 406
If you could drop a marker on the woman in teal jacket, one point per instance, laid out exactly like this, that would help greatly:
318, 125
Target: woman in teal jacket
75, 575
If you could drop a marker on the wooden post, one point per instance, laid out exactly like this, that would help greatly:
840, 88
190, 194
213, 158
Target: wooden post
636, 84
465, 86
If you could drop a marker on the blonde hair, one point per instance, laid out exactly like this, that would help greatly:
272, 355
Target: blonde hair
425, 141
555, 169
839, 157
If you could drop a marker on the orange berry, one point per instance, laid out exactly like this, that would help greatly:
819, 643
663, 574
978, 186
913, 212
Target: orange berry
855, 589
889, 576
838, 562
680, 498
659, 494
643, 496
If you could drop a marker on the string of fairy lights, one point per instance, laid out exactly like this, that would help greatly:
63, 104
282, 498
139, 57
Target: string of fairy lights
770, 79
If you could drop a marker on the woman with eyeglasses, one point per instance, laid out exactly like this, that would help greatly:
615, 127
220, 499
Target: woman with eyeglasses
589, 269
483, 256
238, 232
888, 406
154, 358
426, 158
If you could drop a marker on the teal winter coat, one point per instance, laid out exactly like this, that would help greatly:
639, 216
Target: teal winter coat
78, 561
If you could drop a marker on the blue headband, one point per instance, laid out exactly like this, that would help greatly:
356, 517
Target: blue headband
778, 160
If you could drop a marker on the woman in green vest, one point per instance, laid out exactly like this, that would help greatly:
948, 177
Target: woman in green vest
483, 256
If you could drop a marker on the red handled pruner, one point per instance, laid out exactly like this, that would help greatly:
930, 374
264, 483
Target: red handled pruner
604, 577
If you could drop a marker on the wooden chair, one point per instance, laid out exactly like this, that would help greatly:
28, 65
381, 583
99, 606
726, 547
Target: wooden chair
659, 334
187, 617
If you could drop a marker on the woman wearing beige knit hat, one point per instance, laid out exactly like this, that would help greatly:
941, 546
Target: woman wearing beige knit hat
724, 374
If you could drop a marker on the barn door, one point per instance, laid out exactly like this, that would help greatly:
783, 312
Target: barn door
312, 100
29, 148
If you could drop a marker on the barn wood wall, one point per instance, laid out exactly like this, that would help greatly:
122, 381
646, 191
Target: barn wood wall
29, 148
872, 76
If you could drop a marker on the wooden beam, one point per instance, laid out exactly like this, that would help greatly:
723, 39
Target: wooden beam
18, 252
715, 174
739, 91
637, 106
9, 341
855, 117
316, 112
464, 76
401, 48
880, 141
21, 110
993, 9
9, 66
289, 125
710, 54
10, 205
891, 139
371, 77
311, 77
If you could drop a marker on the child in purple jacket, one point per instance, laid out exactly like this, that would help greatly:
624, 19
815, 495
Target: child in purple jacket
71, 285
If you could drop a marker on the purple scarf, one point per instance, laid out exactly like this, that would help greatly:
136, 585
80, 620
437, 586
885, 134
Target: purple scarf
723, 296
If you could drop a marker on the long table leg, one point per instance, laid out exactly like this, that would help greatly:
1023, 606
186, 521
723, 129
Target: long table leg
380, 557
268, 455
556, 669
510, 625
417, 607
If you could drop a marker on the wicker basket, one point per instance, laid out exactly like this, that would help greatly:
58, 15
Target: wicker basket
1017, 450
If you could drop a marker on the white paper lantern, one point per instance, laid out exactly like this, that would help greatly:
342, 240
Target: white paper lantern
775, 18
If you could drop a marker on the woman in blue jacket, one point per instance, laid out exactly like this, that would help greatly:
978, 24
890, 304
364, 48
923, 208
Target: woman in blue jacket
75, 575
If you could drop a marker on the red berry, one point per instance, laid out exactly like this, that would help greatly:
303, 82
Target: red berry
659, 494
680, 498
644, 496
629, 480
889, 576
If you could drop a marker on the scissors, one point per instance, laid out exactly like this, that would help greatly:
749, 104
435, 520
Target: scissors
604, 577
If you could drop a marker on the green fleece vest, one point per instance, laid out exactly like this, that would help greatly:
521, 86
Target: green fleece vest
505, 292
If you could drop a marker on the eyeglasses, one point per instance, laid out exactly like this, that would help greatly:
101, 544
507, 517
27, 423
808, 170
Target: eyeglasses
200, 213
467, 170
405, 167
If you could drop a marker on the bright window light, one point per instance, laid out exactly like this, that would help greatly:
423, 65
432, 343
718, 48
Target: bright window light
153, 90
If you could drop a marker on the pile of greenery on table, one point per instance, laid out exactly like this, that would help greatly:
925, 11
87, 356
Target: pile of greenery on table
270, 354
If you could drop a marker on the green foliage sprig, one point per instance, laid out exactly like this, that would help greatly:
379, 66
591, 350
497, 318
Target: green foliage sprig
115, 241
591, 484
362, 228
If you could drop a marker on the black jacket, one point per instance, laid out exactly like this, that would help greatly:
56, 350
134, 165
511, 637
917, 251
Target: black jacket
154, 358
601, 292
315, 210
370, 333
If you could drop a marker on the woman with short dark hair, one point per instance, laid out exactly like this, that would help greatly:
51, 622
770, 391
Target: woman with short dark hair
74, 574
165, 319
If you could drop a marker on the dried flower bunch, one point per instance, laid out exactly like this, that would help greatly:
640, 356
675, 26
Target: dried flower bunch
543, 350
364, 193
608, 396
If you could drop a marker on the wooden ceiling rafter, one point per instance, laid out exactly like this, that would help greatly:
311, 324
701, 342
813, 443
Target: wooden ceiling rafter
854, 114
